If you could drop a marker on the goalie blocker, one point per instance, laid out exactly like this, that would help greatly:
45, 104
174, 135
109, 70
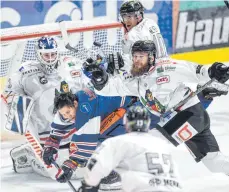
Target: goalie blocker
192, 127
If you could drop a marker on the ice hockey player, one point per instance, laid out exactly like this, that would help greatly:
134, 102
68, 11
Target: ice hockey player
94, 118
161, 84
143, 162
34, 87
139, 28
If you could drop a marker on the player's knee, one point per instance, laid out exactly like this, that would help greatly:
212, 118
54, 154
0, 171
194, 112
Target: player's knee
216, 162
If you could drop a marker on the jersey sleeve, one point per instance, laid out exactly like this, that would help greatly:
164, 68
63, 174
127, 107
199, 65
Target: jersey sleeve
106, 157
156, 37
119, 86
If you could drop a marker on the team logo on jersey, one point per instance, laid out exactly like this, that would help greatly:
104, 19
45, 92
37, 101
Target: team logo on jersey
43, 80
64, 88
163, 79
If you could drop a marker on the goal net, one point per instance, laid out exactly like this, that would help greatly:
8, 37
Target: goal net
17, 44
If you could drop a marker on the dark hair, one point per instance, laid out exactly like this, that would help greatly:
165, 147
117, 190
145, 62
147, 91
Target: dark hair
64, 99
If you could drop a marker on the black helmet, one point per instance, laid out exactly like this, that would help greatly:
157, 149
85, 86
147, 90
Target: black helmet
137, 119
131, 6
146, 46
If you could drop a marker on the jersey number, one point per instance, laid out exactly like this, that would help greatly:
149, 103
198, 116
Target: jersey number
156, 166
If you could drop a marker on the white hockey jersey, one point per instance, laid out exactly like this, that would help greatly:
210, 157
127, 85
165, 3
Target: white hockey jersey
144, 163
33, 82
147, 29
164, 86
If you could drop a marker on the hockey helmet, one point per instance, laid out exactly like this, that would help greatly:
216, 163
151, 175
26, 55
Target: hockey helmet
133, 6
137, 119
145, 46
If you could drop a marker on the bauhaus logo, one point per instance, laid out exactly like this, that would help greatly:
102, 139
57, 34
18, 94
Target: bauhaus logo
202, 29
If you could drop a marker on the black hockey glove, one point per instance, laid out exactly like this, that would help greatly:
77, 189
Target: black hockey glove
86, 188
65, 172
219, 71
211, 92
114, 61
50, 150
99, 77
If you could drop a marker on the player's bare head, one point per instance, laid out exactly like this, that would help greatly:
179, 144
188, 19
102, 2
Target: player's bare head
131, 13
47, 53
66, 104
137, 119
143, 56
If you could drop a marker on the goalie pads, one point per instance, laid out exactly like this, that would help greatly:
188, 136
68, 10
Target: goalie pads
19, 113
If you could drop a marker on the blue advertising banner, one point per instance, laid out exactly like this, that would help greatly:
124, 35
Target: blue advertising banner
23, 13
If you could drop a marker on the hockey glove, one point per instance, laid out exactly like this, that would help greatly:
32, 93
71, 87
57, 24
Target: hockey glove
115, 61
50, 150
87, 188
65, 172
99, 77
219, 71
211, 92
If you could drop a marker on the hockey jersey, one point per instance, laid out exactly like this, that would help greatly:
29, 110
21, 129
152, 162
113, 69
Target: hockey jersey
97, 118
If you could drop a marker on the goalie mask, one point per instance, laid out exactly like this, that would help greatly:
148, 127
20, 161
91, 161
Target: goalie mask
143, 57
137, 119
47, 54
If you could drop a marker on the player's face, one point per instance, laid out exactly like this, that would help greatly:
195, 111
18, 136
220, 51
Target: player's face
49, 57
130, 20
140, 63
68, 112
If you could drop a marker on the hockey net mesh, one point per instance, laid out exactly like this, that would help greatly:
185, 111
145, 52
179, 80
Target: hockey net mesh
17, 44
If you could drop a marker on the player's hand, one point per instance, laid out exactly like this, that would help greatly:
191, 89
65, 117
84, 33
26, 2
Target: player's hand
65, 172
86, 188
114, 61
50, 150
219, 71
211, 92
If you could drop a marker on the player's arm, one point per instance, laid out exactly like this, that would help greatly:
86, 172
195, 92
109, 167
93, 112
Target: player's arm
106, 157
108, 85
156, 37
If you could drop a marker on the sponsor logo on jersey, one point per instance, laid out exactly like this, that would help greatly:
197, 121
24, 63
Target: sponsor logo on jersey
43, 80
31, 71
85, 107
202, 28
75, 73
160, 69
165, 182
163, 79
170, 68
184, 133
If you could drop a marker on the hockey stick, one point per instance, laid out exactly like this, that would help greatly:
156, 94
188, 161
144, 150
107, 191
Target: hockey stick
69, 182
172, 109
